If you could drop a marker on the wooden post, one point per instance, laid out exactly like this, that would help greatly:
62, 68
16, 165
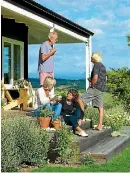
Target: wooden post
24, 96
2, 93
87, 66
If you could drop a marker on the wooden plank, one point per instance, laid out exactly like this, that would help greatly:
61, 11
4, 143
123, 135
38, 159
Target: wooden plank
96, 156
6, 92
108, 148
13, 104
94, 137
2, 93
25, 97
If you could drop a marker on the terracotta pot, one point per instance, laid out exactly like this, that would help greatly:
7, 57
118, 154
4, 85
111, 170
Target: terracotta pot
44, 122
56, 124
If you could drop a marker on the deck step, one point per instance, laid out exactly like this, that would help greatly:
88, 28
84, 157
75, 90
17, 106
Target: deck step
85, 125
94, 136
104, 150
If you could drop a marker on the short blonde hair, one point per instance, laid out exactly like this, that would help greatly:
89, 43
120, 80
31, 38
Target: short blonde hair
51, 35
48, 82
97, 57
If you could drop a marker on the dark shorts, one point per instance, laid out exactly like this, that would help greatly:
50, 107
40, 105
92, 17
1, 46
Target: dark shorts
94, 95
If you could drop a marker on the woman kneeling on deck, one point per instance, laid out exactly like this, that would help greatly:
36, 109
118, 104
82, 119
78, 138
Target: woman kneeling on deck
72, 109
45, 98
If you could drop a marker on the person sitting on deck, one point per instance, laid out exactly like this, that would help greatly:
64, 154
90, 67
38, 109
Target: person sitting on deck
45, 97
72, 109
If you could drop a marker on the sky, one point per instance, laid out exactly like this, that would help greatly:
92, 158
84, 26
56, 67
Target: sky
108, 19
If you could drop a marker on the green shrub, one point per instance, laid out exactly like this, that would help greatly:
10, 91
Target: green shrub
116, 117
118, 84
33, 141
92, 114
10, 157
23, 142
88, 160
110, 101
68, 150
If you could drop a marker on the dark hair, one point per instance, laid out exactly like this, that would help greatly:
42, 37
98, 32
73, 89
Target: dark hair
74, 93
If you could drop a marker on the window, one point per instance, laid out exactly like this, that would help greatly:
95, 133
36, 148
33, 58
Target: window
12, 61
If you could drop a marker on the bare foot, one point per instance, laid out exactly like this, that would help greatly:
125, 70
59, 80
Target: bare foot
99, 127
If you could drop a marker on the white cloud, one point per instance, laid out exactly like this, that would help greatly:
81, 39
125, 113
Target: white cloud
97, 31
92, 23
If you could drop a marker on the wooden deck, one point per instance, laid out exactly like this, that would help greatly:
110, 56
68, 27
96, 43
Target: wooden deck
15, 112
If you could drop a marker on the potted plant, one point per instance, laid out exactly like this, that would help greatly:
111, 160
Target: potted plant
45, 117
56, 123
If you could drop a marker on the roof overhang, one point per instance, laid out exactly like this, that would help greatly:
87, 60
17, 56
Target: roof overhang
38, 26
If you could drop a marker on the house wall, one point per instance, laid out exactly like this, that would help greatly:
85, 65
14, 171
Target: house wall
17, 31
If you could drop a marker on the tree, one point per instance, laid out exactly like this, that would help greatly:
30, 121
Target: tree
118, 84
128, 39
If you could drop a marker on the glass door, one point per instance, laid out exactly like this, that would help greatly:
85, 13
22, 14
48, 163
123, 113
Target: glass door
12, 61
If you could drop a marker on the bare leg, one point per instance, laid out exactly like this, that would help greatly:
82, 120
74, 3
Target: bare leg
79, 122
101, 116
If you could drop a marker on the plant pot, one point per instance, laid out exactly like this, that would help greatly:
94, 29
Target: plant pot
56, 124
44, 122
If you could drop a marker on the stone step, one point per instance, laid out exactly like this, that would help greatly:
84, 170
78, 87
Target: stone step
94, 136
104, 150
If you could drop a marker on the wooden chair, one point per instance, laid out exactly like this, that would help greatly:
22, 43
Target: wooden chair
23, 99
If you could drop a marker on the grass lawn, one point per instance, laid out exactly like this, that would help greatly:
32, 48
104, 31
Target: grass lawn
120, 163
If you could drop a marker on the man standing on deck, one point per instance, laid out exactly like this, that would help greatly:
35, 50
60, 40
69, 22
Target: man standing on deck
97, 87
46, 57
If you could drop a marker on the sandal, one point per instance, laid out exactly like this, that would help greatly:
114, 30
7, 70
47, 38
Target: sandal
96, 128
